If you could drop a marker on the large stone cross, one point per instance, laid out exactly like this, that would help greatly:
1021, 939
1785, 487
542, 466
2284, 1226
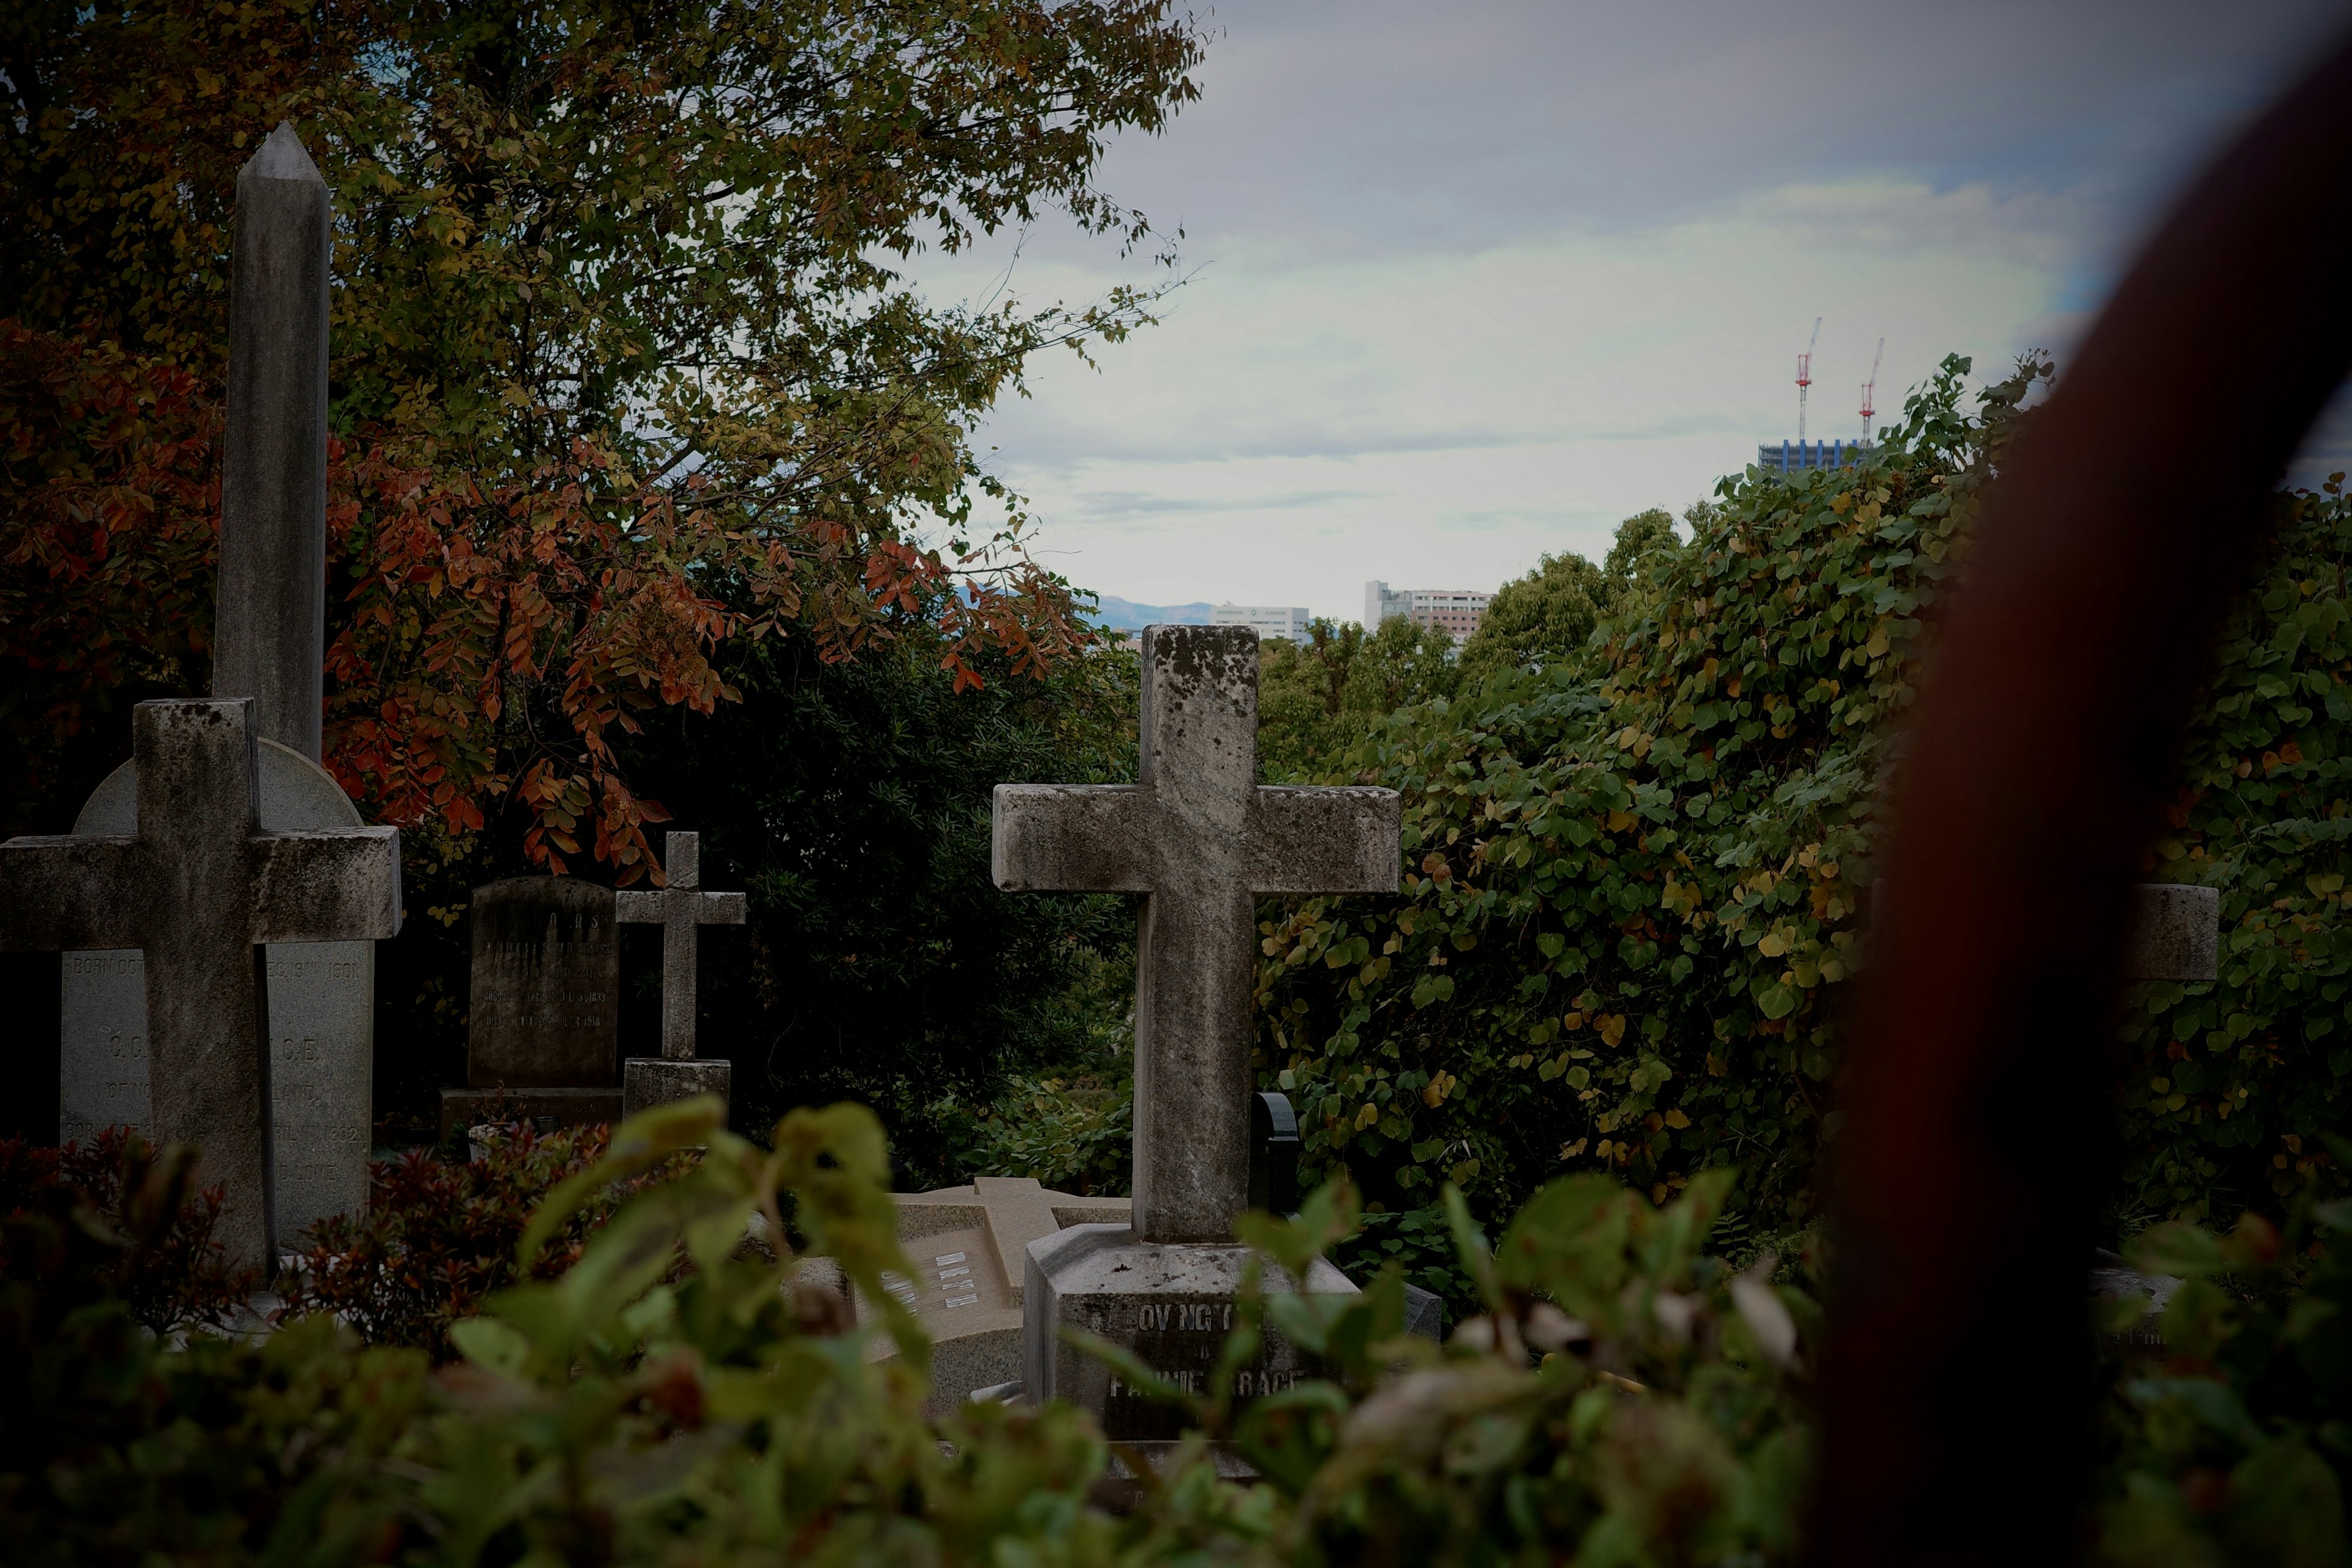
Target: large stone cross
199, 888
679, 909
1199, 837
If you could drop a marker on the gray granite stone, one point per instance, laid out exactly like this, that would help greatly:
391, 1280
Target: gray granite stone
1170, 1303
649, 1081
680, 907
1199, 837
970, 1246
1425, 1312
321, 1018
196, 889
2176, 932
546, 985
271, 636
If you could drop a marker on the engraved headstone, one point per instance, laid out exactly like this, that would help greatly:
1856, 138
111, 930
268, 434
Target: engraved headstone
681, 909
1200, 838
542, 1023
196, 889
270, 647
969, 1245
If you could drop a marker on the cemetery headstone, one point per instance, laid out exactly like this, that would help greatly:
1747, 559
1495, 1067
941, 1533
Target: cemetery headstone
970, 1248
542, 1036
1200, 838
680, 909
196, 888
269, 646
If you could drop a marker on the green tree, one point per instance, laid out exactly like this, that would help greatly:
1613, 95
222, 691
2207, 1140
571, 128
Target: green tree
624, 367
881, 964
1318, 698
1630, 881
1633, 896
1548, 615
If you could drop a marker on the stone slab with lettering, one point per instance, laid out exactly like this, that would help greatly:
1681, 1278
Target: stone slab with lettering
321, 1018
970, 1247
1170, 1303
543, 1021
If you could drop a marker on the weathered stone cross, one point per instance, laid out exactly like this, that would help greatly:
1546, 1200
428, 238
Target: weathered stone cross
679, 909
1198, 837
199, 888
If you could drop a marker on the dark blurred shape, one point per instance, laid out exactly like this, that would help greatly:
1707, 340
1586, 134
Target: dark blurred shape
1274, 1153
1977, 1143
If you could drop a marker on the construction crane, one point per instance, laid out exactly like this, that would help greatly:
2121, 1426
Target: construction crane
1805, 378
1868, 387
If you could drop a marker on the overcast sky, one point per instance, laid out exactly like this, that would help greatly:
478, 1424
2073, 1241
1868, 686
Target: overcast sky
1469, 283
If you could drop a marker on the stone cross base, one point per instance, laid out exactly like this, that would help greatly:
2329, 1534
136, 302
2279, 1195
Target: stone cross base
464, 1108
970, 1246
1171, 1303
649, 1081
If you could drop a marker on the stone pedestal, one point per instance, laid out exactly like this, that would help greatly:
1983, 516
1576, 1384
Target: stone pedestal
970, 1246
1171, 1303
649, 1081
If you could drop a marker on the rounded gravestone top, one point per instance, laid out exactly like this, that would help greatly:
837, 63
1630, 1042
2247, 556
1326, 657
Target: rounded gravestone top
296, 793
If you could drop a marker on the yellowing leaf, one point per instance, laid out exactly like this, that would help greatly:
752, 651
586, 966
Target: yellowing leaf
1676, 1118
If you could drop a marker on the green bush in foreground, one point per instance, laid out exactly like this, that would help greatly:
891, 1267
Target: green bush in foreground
676, 1396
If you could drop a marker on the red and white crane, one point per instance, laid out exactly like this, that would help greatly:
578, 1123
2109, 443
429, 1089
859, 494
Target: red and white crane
1805, 379
1868, 387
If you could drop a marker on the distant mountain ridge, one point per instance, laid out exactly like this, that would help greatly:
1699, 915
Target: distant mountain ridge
1125, 616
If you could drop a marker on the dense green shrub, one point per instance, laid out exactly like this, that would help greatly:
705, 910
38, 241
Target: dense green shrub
672, 1396
2239, 1448
1619, 1396
2235, 1081
1631, 898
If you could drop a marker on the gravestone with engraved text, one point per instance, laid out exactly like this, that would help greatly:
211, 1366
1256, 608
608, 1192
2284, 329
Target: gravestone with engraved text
196, 889
542, 1033
1200, 838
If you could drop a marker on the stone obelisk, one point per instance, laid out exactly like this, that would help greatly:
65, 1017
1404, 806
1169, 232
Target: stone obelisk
270, 631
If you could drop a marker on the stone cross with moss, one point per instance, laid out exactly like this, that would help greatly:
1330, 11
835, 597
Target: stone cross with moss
1200, 838
199, 888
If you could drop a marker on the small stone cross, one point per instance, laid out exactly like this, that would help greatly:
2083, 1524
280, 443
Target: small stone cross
677, 908
200, 887
1199, 837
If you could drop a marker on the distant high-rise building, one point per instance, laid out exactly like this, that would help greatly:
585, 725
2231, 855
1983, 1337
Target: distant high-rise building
1455, 611
1267, 620
1796, 456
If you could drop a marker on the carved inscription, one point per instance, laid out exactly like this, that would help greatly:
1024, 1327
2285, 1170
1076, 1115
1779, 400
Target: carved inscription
1180, 1339
546, 976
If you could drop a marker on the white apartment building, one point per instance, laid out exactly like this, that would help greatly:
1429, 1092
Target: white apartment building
1454, 611
1268, 620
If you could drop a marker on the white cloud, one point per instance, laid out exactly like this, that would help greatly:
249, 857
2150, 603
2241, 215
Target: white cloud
1439, 418
1476, 281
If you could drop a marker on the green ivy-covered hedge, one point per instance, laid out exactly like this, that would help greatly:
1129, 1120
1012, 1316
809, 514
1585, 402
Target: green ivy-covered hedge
1633, 879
